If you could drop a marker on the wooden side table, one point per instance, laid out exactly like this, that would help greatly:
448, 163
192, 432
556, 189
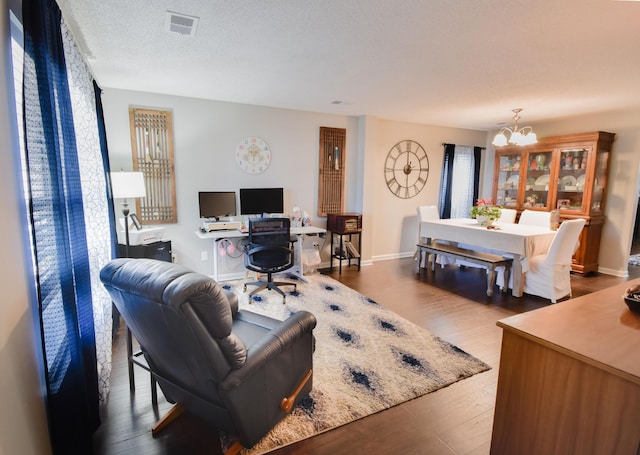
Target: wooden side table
345, 224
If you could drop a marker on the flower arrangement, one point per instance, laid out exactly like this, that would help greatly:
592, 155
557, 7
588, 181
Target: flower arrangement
485, 208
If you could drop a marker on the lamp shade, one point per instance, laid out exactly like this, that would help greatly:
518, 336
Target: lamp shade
127, 185
516, 138
500, 139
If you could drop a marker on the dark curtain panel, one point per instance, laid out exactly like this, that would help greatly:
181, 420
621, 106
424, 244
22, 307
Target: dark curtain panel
477, 156
58, 235
106, 165
444, 202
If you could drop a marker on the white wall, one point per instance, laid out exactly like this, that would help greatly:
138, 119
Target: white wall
206, 134
394, 220
23, 424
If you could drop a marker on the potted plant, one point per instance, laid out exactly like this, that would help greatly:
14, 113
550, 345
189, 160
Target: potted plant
484, 212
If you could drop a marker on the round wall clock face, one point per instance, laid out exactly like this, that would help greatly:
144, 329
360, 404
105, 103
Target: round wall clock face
253, 155
406, 169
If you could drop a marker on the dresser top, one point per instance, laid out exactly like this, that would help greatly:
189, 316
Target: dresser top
597, 328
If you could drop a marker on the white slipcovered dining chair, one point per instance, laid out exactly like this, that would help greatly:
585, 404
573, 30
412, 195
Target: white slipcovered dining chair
507, 216
427, 213
549, 274
535, 218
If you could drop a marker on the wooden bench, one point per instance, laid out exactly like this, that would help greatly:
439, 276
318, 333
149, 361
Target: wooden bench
488, 260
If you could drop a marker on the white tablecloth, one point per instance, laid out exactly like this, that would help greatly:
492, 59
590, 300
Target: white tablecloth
522, 241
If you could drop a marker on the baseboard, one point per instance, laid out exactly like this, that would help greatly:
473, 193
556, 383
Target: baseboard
618, 273
386, 257
324, 265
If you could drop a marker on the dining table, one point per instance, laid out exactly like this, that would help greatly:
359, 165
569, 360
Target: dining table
520, 241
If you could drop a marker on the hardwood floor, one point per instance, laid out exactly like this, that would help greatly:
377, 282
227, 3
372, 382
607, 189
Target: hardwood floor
450, 303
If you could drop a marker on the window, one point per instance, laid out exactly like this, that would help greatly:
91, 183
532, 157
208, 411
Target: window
462, 184
460, 180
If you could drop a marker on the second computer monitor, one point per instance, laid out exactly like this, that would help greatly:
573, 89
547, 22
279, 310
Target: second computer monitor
258, 201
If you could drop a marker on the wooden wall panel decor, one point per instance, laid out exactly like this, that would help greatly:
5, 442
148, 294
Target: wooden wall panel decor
152, 150
331, 182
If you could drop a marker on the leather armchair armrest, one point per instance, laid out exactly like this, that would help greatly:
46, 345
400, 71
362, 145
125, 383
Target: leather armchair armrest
233, 301
272, 344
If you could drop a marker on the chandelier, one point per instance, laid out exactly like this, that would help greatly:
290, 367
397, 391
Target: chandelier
517, 136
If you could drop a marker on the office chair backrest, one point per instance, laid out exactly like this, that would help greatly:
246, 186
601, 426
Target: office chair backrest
565, 242
535, 218
269, 232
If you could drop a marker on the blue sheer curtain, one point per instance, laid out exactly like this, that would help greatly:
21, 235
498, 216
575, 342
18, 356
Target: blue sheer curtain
62, 253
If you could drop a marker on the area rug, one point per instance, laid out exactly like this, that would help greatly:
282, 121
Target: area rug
634, 259
367, 358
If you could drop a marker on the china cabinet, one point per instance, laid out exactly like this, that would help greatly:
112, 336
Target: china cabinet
568, 173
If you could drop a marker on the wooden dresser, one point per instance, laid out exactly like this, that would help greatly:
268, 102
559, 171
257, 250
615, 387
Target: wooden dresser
569, 379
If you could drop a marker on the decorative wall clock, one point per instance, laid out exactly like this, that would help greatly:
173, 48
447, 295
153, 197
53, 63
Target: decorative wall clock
253, 155
406, 169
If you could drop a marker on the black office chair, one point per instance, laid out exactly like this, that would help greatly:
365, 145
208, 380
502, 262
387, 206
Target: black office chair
268, 251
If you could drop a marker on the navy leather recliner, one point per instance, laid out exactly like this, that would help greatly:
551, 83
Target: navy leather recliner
241, 371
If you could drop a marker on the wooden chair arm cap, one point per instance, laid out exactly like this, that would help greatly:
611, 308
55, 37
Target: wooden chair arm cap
287, 403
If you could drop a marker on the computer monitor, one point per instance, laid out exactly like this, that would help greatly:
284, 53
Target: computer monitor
217, 204
257, 201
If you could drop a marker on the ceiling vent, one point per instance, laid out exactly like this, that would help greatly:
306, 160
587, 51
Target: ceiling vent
181, 23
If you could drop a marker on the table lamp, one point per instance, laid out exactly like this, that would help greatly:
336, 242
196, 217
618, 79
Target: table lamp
126, 185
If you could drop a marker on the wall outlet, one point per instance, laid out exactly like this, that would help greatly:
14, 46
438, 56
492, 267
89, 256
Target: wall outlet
204, 255
316, 245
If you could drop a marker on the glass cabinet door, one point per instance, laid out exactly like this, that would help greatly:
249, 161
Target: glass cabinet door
572, 176
538, 175
599, 182
508, 180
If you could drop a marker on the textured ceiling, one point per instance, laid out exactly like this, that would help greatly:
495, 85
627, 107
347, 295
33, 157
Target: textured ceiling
461, 63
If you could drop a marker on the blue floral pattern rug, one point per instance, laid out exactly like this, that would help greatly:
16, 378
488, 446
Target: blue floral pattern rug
367, 358
634, 259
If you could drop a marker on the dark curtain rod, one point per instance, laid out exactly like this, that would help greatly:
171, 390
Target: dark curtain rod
444, 144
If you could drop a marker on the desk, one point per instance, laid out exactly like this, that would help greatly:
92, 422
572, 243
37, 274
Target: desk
519, 240
569, 378
299, 232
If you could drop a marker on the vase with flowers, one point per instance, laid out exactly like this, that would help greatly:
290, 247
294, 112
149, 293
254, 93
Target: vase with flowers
484, 212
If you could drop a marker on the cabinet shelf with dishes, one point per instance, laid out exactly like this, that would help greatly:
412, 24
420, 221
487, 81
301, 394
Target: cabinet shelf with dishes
568, 173
507, 180
538, 180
